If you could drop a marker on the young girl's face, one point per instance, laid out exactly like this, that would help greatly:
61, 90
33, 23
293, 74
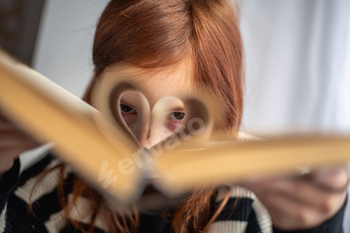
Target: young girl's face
159, 84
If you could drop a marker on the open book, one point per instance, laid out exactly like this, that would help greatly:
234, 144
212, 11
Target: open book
99, 148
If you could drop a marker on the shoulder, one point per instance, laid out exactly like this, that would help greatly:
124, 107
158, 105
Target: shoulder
34, 205
43, 185
242, 213
40, 177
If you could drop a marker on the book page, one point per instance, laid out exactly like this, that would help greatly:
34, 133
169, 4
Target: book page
227, 162
82, 136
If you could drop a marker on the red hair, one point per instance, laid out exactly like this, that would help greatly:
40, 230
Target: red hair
160, 33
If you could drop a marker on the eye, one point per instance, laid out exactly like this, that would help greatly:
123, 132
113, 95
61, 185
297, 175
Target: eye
179, 116
126, 109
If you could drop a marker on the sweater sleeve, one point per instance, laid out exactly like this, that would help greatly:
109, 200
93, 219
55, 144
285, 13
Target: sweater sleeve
8, 184
333, 225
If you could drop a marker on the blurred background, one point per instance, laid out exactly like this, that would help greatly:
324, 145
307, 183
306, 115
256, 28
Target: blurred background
297, 56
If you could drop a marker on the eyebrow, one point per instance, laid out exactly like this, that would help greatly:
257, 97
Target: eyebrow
126, 103
177, 109
174, 109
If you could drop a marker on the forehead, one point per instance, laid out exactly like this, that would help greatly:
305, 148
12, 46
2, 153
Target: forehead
157, 83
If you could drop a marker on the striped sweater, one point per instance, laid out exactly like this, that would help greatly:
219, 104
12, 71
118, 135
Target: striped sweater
249, 215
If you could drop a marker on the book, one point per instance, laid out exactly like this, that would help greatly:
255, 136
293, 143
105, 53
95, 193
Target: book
96, 144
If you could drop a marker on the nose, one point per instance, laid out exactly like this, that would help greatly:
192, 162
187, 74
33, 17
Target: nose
141, 130
157, 133
149, 135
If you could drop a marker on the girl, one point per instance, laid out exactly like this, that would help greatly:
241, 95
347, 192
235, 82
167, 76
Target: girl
172, 47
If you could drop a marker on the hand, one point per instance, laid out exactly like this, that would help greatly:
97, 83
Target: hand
12, 143
303, 202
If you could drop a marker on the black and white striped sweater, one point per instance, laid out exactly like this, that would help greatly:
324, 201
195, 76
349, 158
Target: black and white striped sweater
249, 216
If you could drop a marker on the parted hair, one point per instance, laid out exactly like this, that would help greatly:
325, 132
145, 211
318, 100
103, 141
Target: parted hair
160, 33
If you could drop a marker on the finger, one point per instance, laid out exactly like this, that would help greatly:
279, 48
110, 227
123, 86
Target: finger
13, 142
5, 166
4, 120
2, 117
8, 155
292, 209
332, 179
5, 125
289, 215
293, 190
301, 191
8, 129
8, 125
11, 153
15, 138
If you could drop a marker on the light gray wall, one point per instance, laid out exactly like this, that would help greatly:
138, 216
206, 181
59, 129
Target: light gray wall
63, 50
297, 66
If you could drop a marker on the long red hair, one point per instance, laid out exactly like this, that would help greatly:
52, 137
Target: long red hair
160, 33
